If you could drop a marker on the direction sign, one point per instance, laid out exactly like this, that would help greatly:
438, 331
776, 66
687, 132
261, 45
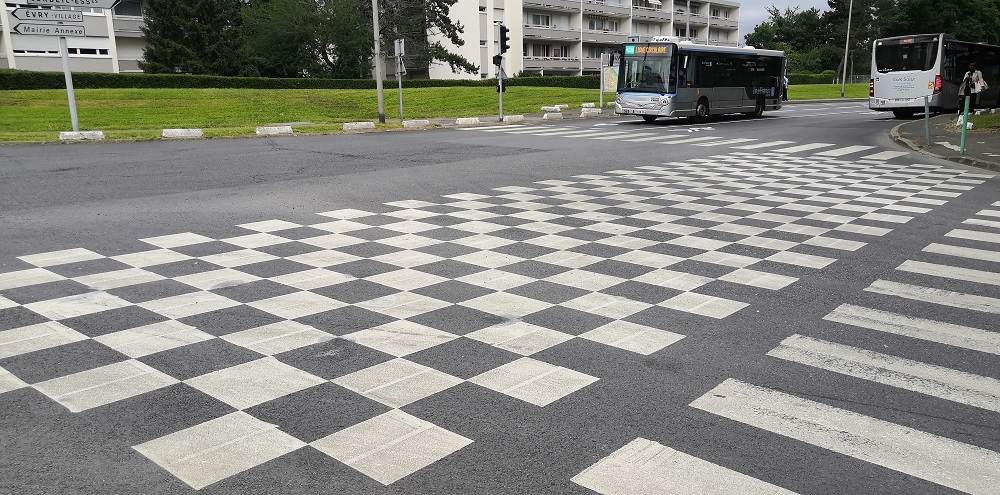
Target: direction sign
47, 15
49, 29
97, 4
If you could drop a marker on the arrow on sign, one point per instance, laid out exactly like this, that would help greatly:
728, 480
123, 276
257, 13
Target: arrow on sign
97, 4
47, 15
49, 29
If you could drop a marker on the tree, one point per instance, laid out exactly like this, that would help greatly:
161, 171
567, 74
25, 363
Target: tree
417, 21
970, 20
192, 36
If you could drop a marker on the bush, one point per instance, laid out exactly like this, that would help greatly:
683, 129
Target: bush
19, 79
825, 77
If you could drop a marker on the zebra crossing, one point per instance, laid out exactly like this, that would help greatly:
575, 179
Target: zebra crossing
969, 257
781, 147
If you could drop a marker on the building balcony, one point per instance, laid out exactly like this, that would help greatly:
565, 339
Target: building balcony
718, 22
651, 14
128, 26
606, 37
562, 64
592, 64
600, 8
553, 32
697, 20
557, 5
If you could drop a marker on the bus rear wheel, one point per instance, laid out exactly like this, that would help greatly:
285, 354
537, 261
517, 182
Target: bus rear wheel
649, 118
904, 113
701, 111
758, 109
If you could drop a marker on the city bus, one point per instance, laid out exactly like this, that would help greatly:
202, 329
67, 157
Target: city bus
905, 69
666, 78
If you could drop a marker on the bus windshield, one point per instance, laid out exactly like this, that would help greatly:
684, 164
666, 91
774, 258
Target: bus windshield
906, 54
650, 69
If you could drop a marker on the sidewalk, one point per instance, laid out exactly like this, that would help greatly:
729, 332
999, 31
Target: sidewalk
982, 150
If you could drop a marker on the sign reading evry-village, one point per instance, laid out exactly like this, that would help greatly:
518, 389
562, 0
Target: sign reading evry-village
97, 4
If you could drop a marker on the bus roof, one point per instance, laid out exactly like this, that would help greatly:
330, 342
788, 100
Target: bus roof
695, 47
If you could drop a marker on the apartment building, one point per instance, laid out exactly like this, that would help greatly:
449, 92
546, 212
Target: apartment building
568, 37
547, 37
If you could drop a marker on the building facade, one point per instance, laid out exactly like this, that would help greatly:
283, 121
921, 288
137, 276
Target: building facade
547, 37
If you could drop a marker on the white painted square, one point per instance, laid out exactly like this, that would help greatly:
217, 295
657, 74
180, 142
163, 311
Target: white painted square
400, 338
674, 228
152, 257
586, 280
346, 213
700, 304
56, 258
533, 381
556, 242
520, 337
217, 279
398, 382
406, 279
646, 258
833, 243
611, 228
698, 242
277, 337
503, 303
411, 213
632, 337
252, 241
768, 243
7, 303
409, 241
760, 279
78, 305
391, 446
403, 305
496, 279
191, 304
806, 260
569, 259
256, 382
407, 258
341, 226
673, 279
313, 279
150, 339
269, 225
118, 279
627, 242
411, 226
177, 240
297, 304
725, 259
606, 305
9, 382
484, 241
323, 259
217, 449
332, 241
23, 340
238, 258
104, 385
25, 278
489, 259
545, 227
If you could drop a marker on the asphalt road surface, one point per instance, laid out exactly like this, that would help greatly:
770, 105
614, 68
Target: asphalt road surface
791, 304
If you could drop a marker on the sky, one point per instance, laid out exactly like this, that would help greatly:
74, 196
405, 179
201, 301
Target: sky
754, 12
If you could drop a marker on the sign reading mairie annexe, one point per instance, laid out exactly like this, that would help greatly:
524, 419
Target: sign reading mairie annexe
49, 29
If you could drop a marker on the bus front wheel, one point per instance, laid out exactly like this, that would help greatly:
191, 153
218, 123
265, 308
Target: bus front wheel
906, 113
701, 111
649, 118
758, 109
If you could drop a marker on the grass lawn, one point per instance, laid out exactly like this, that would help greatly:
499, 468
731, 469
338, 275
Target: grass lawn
128, 114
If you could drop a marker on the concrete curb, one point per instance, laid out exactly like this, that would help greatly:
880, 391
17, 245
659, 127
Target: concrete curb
409, 124
553, 116
897, 136
81, 136
467, 121
590, 112
358, 126
274, 130
513, 118
182, 134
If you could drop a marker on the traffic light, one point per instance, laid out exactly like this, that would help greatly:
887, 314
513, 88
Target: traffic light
504, 39
497, 60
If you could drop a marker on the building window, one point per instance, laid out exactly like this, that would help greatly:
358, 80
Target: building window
540, 20
129, 7
680, 32
541, 50
602, 25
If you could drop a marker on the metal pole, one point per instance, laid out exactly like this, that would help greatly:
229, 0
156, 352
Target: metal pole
500, 87
378, 64
601, 75
399, 79
927, 120
965, 124
64, 52
847, 47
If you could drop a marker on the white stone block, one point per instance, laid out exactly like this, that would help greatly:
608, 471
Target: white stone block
82, 136
467, 121
562, 106
416, 123
552, 116
182, 133
513, 118
358, 126
550, 109
274, 130
587, 105
590, 112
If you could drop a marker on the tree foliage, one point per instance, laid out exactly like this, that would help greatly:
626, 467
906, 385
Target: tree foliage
295, 38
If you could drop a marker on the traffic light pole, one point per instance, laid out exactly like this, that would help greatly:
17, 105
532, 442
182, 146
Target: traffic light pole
504, 40
500, 86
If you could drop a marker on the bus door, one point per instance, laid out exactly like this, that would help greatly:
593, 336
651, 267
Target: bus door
687, 74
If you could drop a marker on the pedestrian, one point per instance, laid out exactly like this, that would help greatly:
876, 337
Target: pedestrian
972, 84
784, 88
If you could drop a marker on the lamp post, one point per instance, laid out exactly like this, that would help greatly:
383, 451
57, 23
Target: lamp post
847, 45
378, 64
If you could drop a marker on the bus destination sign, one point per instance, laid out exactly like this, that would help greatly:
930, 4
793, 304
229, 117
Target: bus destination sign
648, 50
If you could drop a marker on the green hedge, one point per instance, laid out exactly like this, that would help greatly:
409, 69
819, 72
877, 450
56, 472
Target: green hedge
18, 79
826, 77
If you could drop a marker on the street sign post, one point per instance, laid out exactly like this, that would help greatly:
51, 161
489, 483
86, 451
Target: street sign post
400, 70
47, 15
96, 4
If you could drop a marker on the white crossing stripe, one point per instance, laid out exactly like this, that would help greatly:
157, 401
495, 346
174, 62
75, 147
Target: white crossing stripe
936, 296
907, 374
804, 147
885, 155
728, 142
762, 145
618, 134
918, 328
954, 272
585, 133
693, 140
964, 252
493, 128
667, 136
973, 235
844, 151
984, 223
937, 459
989, 213
644, 467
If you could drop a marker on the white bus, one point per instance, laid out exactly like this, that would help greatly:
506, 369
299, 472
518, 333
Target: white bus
661, 78
905, 69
